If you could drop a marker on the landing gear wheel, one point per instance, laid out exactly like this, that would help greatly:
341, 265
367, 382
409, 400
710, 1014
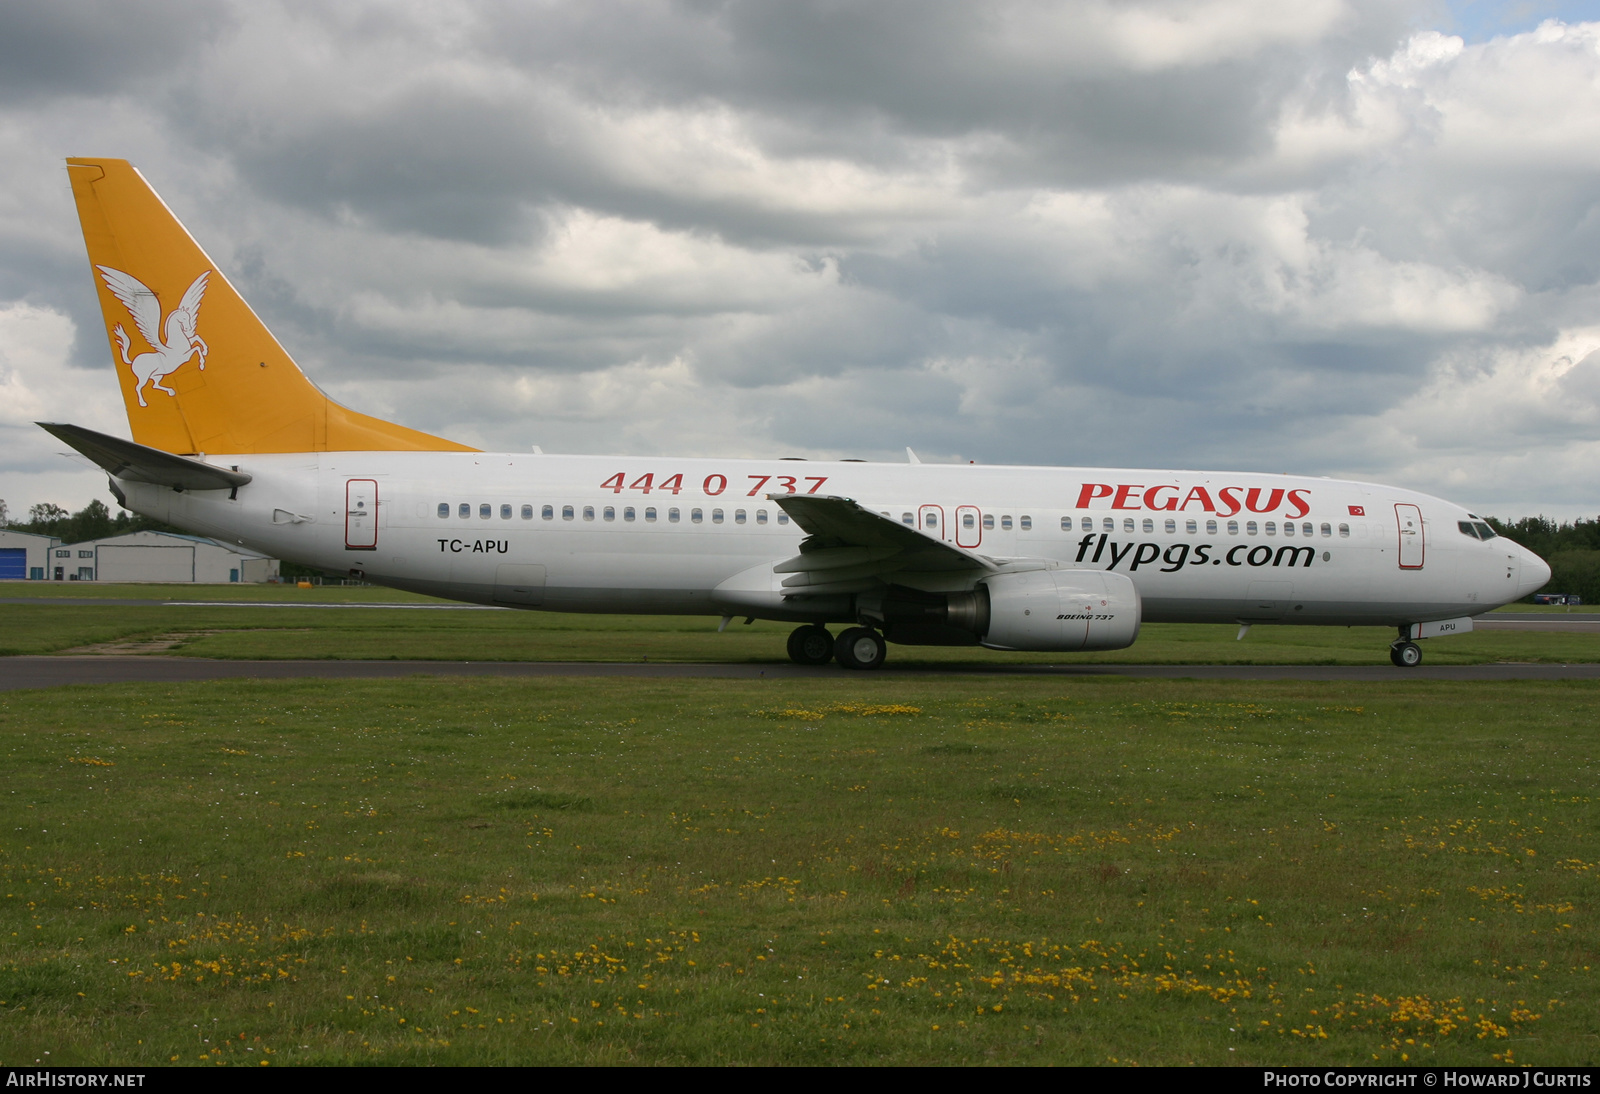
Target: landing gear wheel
1405, 655
810, 645
859, 648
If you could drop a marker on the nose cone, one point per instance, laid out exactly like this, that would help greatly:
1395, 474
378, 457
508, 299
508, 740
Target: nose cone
1534, 575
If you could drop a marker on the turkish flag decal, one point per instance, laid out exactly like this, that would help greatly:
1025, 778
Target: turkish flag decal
1357, 511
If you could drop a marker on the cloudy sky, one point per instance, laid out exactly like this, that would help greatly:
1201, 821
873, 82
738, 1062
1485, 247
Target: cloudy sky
1357, 238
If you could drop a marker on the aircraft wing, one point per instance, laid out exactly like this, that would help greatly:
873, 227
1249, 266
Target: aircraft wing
127, 460
849, 548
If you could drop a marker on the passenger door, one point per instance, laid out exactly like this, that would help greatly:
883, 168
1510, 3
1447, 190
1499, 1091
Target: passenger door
361, 515
1408, 520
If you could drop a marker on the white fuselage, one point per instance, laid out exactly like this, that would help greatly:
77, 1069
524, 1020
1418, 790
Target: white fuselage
647, 535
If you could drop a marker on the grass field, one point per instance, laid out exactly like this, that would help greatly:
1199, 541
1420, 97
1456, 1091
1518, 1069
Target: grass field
849, 870
233, 629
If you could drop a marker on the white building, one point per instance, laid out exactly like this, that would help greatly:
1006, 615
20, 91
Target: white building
24, 555
158, 556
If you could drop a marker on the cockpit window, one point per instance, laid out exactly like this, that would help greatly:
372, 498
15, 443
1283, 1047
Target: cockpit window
1467, 529
1484, 531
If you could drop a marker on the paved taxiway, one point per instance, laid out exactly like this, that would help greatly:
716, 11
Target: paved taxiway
1581, 622
35, 672
43, 672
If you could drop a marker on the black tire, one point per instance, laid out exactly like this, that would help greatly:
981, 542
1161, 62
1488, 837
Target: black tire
1405, 655
810, 645
859, 648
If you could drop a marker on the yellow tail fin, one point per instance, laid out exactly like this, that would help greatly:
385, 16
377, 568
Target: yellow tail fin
199, 370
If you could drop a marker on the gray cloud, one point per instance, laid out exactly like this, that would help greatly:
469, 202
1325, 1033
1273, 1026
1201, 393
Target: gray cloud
89, 47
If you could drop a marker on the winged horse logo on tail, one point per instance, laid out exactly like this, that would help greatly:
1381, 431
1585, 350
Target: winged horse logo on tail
174, 343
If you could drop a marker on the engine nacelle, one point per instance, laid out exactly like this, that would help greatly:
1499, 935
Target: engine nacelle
1062, 610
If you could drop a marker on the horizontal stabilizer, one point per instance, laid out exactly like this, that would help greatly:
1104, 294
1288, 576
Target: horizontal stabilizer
126, 460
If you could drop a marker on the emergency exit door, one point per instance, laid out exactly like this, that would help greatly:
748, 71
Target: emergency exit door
361, 515
969, 526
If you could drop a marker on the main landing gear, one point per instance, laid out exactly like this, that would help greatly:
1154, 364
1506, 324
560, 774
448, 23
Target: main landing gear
1405, 655
855, 648
811, 645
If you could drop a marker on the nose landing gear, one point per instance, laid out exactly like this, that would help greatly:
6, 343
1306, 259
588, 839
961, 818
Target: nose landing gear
1405, 655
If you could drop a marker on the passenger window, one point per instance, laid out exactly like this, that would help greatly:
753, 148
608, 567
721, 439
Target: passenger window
1272, 527
465, 511
696, 516
1211, 527
1190, 527
1127, 524
1109, 525
931, 520
444, 510
783, 518
906, 518
1027, 524
588, 512
1066, 524
967, 522
672, 516
988, 522
1288, 527
1249, 527
628, 512
485, 511
716, 516
1327, 529
761, 516
738, 516
1088, 524
609, 512
649, 512
566, 512
1172, 526
505, 512
1005, 523
1305, 529
527, 512
548, 512
1233, 527
1344, 531
1149, 525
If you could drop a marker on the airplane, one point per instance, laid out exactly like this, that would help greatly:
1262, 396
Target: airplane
231, 440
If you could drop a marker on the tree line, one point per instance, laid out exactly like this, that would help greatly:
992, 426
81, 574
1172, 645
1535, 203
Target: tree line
1572, 547
93, 521
1572, 550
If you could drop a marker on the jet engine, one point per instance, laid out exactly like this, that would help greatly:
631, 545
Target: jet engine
1029, 610
1061, 610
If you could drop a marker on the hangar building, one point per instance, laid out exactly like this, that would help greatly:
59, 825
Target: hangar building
24, 555
158, 556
